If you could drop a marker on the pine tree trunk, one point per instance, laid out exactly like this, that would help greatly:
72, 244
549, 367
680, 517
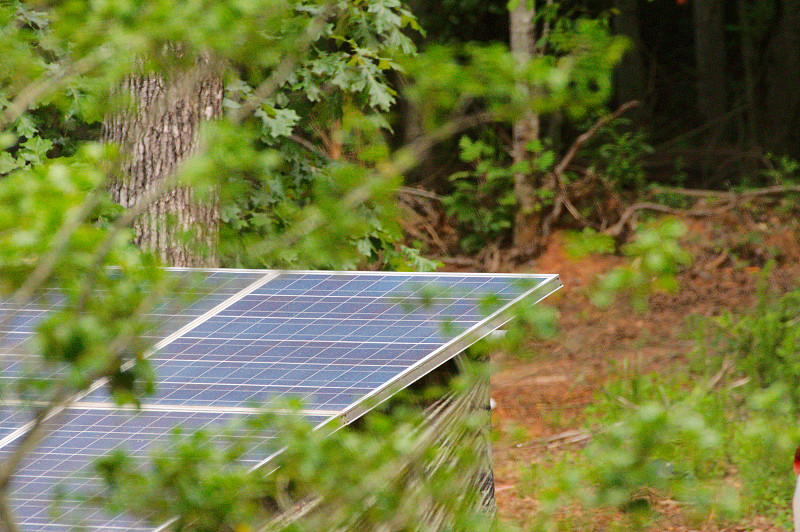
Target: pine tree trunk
156, 132
749, 59
783, 94
629, 78
527, 222
709, 46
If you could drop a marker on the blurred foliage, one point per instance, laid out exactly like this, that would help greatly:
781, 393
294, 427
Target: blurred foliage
588, 241
620, 156
401, 470
656, 255
763, 344
705, 438
327, 120
483, 200
571, 79
308, 179
305, 176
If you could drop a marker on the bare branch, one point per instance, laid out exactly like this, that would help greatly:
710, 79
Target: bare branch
458, 261
730, 196
121, 224
422, 193
6, 517
618, 227
584, 137
308, 146
60, 240
63, 398
404, 160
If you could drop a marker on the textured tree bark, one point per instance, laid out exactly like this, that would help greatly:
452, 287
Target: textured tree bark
629, 80
156, 133
709, 47
527, 222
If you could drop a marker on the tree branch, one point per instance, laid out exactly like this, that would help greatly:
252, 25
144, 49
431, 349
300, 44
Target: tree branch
309, 147
45, 266
584, 137
65, 396
6, 517
618, 227
410, 191
730, 196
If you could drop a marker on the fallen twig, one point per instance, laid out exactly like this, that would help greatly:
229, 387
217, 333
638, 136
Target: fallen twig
726, 366
567, 437
738, 383
716, 263
730, 196
457, 261
561, 196
422, 193
616, 229
627, 404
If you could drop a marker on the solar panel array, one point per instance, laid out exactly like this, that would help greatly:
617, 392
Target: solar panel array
339, 341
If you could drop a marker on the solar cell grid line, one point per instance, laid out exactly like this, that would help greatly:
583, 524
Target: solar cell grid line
18, 323
200, 292
268, 276
65, 458
546, 285
327, 372
333, 338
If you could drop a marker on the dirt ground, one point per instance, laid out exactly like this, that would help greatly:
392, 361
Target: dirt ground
545, 395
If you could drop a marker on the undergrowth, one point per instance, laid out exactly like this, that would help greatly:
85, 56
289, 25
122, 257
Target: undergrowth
717, 439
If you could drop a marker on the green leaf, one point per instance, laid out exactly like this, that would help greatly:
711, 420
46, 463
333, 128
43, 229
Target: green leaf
8, 163
278, 122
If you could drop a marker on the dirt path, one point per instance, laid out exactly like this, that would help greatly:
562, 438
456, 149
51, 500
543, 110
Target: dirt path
547, 394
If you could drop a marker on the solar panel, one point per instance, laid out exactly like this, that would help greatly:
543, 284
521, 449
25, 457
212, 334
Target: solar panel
196, 292
65, 458
340, 341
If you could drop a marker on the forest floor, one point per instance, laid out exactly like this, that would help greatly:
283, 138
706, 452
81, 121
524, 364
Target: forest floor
540, 400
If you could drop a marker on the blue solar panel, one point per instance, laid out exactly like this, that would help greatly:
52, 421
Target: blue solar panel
63, 461
298, 336
332, 339
197, 292
11, 418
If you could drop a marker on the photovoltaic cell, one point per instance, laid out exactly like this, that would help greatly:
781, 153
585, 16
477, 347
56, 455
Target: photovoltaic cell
197, 292
11, 418
325, 338
331, 339
63, 461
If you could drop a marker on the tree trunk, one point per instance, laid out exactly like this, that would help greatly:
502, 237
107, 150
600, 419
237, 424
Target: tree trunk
709, 47
783, 94
630, 82
156, 132
753, 116
527, 222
